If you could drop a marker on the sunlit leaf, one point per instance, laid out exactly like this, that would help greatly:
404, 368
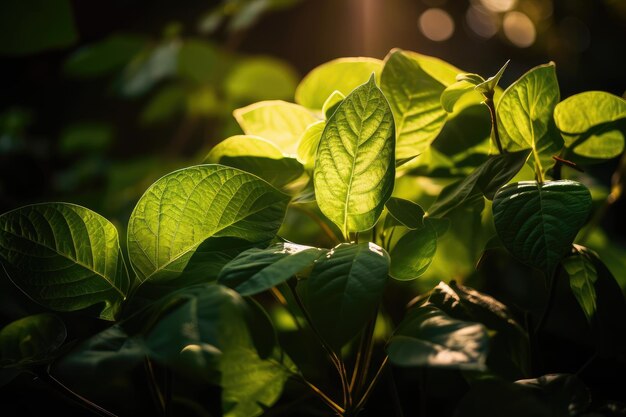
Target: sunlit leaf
491, 83
453, 93
65, 257
343, 75
256, 156
414, 96
331, 103
344, 289
429, 337
257, 270
31, 340
309, 141
354, 170
185, 208
525, 115
537, 222
279, 122
582, 278
587, 123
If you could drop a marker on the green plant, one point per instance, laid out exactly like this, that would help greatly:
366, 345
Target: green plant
217, 295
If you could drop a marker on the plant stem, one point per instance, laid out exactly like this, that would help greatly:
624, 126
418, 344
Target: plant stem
154, 386
364, 357
494, 121
325, 228
320, 394
334, 358
91, 406
370, 387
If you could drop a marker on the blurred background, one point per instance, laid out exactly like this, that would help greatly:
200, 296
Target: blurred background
100, 98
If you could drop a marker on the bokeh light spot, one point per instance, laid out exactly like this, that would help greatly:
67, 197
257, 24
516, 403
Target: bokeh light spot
499, 5
481, 21
436, 24
519, 29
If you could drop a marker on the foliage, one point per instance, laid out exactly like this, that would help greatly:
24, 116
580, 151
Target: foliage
224, 311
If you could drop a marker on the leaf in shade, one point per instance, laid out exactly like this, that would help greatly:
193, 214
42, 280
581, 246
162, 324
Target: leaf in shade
257, 156
31, 340
525, 115
484, 181
65, 257
344, 289
537, 222
183, 209
257, 270
582, 279
354, 171
408, 213
413, 253
277, 121
343, 75
414, 97
429, 337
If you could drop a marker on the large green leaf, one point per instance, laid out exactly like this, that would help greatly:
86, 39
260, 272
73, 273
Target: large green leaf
429, 337
509, 354
31, 340
343, 290
185, 208
354, 171
582, 279
414, 96
257, 270
413, 253
524, 114
486, 180
343, 75
538, 222
256, 156
279, 122
587, 122
65, 257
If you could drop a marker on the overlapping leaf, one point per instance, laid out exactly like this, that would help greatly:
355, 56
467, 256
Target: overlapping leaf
65, 257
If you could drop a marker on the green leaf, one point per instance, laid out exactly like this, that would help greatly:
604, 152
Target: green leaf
509, 344
199, 61
31, 340
453, 93
537, 223
524, 115
308, 143
343, 75
104, 57
414, 96
490, 84
354, 169
65, 257
582, 279
564, 394
331, 103
186, 207
260, 78
279, 122
256, 156
486, 180
149, 68
29, 27
587, 122
472, 78
257, 270
429, 337
408, 213
344, 289
413, 253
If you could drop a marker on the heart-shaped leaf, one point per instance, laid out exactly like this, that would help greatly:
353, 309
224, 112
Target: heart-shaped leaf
537, 222
354, 170
413, 253
414, 96
343, 290
185, 208
429, 337
407, 213
65, 257
257, 270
